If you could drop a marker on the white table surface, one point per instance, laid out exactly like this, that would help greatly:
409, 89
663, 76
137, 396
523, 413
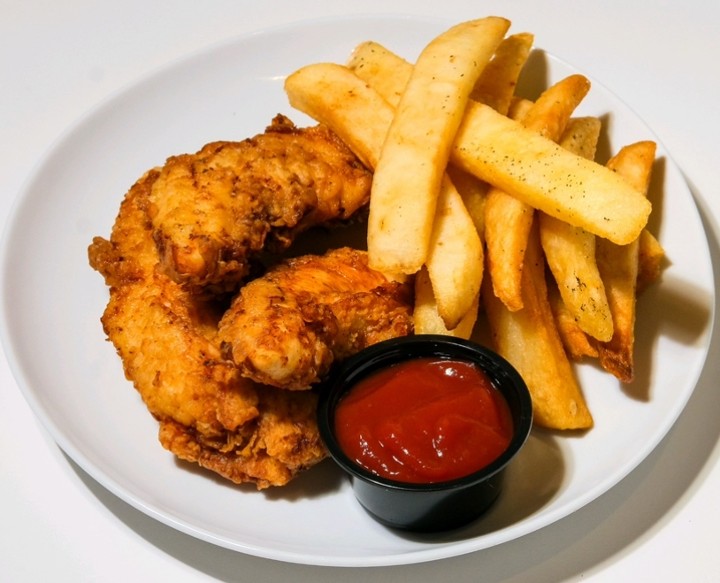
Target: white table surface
58, 59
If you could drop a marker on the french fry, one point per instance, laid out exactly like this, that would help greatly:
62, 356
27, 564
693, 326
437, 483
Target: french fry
508, 219
570, 251
454, 255
333, 95
534, 169
581, 136
473, 193
389, 73
494, 143
619, 264
650, 260
386, 72
507, 225
576, 342
550, 113
529, 340
547, 177
519, 107
414, 155
455, 259
496, 86
426, 316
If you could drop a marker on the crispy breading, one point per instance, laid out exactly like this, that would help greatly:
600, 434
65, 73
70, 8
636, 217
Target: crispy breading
214, 210
279, 444
287, 327
165, 337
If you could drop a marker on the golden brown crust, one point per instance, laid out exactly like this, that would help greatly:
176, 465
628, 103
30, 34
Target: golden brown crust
166, 337
287, 327
212, 211
270, 451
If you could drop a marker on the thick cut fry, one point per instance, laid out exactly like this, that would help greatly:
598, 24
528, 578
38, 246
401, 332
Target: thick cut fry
576, 342
529, 339
570, 251
490, 146
519, 107
496, 86
508, 219
454, 279
417, 145
333, 95
507, 225
534, 169
581, 136
547, 177
650, 260
474, 195
455, 259
426, 318
550, 114
386, 72
574, 338
618, 265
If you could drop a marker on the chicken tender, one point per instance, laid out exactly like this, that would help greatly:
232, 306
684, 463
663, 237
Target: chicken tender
166, 338
280, 443
213, 211
287, 327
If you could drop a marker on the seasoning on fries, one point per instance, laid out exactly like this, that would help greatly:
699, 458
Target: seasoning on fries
619, 267
509, 219
529, 339
409, 173
570, 251
495, 203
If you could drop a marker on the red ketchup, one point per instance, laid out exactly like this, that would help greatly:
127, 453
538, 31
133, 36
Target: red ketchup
424, 420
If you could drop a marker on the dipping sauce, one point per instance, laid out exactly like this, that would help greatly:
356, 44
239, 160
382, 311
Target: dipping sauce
424, 420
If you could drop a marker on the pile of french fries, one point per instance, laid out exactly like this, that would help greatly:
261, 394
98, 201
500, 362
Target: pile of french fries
495, 203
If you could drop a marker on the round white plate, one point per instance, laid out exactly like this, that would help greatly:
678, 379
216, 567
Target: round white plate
72, 378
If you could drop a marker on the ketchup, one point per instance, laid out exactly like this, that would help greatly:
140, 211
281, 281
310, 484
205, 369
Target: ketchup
424, 420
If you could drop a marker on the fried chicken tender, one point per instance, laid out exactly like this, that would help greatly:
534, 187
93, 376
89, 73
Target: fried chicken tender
280, 443
212, 211
287, 327
165, 336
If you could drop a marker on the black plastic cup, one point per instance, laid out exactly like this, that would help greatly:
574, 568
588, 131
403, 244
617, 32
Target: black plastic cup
433, 506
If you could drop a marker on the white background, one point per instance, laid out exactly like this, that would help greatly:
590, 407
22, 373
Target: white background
59, 59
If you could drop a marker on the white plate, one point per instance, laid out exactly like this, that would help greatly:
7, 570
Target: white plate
73, 380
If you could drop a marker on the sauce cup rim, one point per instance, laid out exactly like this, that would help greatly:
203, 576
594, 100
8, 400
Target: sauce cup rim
503, 375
